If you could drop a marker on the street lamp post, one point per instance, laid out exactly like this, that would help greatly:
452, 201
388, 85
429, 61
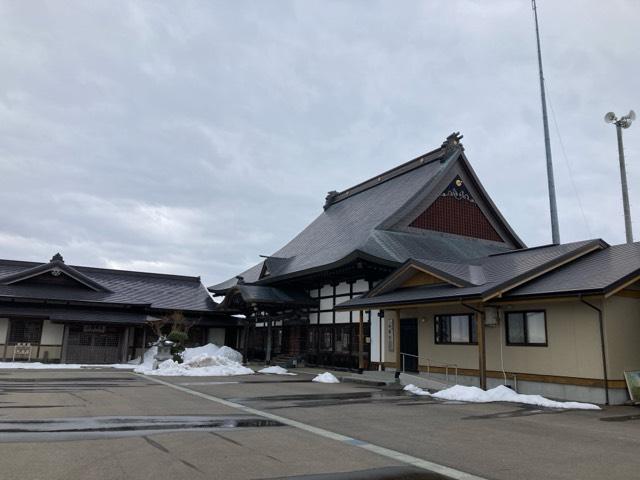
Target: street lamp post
620, 123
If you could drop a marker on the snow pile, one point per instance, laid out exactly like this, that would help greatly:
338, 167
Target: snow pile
415, 390
498, 394
206, 361
275, 370
325, 377
212, 350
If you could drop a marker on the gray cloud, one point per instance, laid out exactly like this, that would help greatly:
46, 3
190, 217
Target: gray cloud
190, 137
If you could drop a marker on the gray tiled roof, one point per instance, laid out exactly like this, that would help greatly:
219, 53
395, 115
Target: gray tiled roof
596, 272
83, 315
485, 275
353, 224
158, 291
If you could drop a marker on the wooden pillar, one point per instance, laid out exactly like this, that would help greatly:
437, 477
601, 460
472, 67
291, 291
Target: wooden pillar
245, 342
482, 354
361, 341
144, 343
396, 338
269, 341
65, 344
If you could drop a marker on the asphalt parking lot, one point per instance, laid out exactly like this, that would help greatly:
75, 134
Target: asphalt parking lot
107, 424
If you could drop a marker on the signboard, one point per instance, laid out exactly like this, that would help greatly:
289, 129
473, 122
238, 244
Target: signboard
22, 350
94, 328
633, 385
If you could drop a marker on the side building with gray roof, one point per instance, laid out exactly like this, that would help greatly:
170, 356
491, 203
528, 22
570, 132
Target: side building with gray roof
55, 312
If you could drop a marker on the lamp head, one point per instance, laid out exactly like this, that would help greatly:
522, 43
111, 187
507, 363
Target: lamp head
625, 122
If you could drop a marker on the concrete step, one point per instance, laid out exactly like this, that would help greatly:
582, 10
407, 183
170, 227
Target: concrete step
422, 381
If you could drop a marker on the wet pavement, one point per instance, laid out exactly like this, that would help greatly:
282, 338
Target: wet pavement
112, 425
89, 428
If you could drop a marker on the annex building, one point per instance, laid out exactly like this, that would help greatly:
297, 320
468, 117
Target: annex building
54, 312
417, 270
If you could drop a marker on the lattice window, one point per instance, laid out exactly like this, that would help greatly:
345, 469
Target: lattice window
25, 331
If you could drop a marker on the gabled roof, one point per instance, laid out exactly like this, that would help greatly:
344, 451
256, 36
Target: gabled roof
364, 219
56, 267
494, 275
110, 287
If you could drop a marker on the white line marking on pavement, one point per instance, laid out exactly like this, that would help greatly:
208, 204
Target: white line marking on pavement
385, 452
206, 383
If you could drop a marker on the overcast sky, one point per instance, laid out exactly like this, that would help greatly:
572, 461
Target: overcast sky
190, 137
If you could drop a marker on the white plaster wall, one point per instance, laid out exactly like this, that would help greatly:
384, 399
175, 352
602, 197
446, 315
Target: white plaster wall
375, 337
326, 291
361, 286
326, 304
52, 333
342, 317
326, 317
342, 288
4, 330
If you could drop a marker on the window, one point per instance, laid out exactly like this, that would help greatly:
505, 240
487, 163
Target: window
526, 328
25, 331
455, 329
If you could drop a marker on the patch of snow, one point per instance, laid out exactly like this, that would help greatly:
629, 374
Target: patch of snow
325, 377
415, 390
275, 370
61, 366
498, 394
206, 361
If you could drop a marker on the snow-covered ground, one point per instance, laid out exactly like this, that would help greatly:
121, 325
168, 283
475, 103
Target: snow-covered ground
206, 361
275, 370
59, 366
325, 377
498, 394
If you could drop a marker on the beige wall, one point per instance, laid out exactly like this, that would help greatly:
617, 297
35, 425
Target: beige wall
52, 333
572, 334
4, 330
622, 333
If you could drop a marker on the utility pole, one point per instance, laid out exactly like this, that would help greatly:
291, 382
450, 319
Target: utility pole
620, 123
555, 229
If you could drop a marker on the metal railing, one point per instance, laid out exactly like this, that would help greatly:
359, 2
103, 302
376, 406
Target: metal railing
430, 363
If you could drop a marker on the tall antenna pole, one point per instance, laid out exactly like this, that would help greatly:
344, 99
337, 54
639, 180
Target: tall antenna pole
555, 229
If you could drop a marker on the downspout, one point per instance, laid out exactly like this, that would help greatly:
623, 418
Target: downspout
602, 346
482, 349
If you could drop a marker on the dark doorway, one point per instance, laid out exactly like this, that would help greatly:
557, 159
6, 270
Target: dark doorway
94, 344
409, 343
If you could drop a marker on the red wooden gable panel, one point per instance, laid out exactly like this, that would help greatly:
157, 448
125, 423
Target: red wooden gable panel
455, 211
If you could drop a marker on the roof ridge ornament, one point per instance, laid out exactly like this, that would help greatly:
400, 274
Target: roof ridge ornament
57, 258
331, 196
451, 143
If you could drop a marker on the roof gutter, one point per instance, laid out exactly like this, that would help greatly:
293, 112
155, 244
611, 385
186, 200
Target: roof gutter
602, 346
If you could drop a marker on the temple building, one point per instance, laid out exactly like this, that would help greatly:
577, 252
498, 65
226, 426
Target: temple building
416, 270
433, 207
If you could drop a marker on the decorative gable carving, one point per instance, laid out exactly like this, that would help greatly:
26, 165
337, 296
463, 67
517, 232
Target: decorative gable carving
455, 211
422, 278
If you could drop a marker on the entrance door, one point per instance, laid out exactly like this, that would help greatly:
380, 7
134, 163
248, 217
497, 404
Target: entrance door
94, 344
409, 343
